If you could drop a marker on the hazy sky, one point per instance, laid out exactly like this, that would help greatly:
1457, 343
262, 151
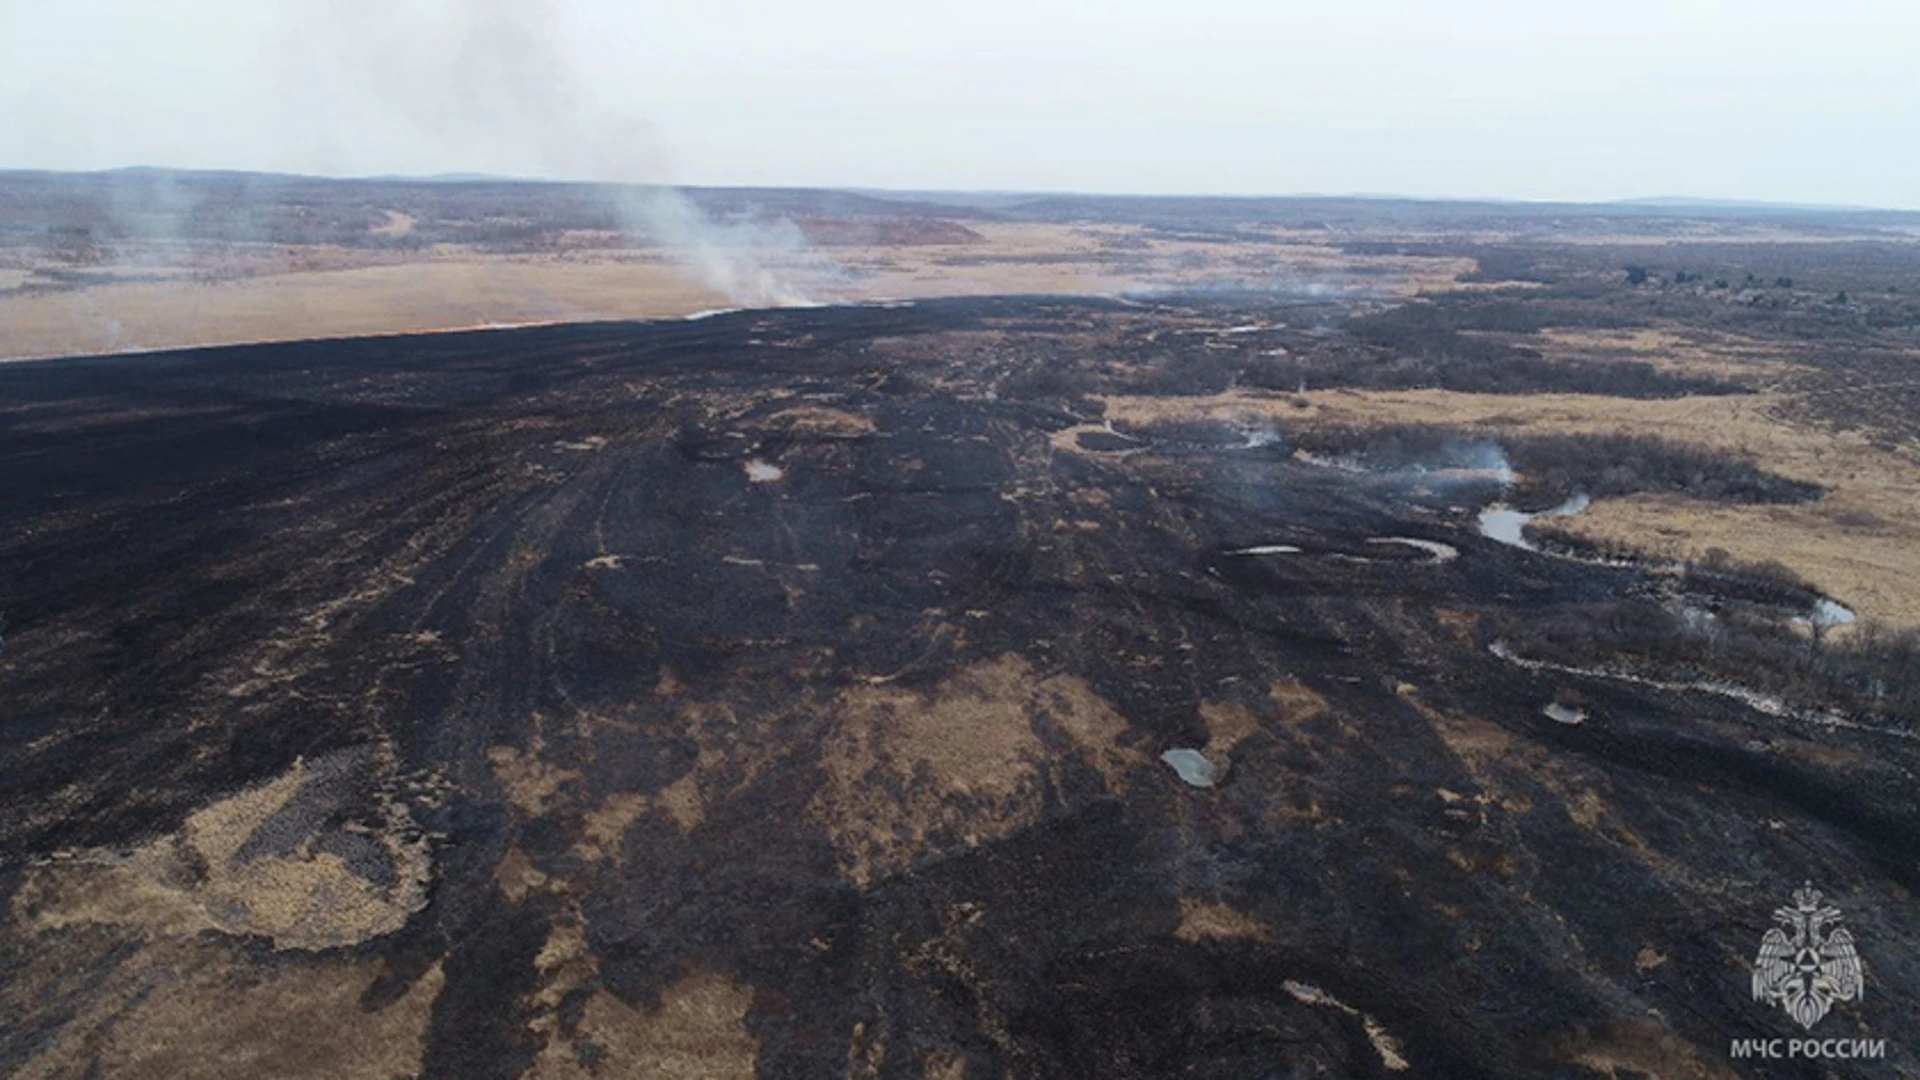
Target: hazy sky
1763, 99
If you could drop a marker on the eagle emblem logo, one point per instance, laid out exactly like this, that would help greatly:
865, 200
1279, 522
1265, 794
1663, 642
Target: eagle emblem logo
1808, 961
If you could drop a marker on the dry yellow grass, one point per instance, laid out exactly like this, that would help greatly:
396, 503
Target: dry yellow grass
530, 782
1202, 920
963, 764
1228, 723
697, 1032
203, 877
417, 297
1678, 349
1042, 258
285, 294
225, 1017
1648, 1047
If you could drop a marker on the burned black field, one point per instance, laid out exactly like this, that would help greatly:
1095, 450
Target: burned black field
784, 694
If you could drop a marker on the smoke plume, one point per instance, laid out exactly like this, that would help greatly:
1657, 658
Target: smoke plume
486, 82
746, 260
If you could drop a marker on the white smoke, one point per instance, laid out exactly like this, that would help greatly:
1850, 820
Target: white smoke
484, 82
1454, 463
1257, 433
749, 261
1476, 461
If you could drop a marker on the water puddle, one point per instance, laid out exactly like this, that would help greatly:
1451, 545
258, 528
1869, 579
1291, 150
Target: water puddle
1562, 714
1194, 767
1440, 552
1830, 612
1504, 524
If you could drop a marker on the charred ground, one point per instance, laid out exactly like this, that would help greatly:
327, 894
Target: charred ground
783, 692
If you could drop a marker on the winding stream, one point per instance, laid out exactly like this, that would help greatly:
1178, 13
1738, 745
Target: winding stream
1504, 524
1759, 701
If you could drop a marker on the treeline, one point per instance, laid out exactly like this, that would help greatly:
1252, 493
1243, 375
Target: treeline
1554, 467
1432, 343
1446, 361
1203, 434
1403, 446
1450, 361
1769, 582
1507, 312
1714, 580
1421, 345
1871, 674
1560, 540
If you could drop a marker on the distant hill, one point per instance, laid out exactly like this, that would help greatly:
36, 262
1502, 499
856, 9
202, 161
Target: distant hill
509, 213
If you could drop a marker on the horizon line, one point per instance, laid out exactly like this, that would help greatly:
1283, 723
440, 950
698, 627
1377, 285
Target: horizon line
1675, 202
